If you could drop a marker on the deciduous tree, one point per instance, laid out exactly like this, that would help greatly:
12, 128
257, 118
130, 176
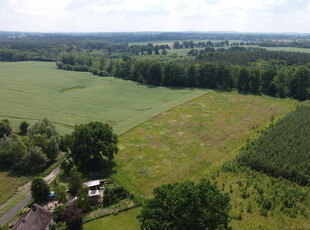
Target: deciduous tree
186, 206
92, 144
39, 189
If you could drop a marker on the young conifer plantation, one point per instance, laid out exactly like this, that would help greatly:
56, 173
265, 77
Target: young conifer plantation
283, 150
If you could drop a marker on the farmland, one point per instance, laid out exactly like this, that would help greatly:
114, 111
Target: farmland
177, 118
32, 90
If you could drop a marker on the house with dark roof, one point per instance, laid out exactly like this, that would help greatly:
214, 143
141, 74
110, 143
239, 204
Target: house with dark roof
36, 218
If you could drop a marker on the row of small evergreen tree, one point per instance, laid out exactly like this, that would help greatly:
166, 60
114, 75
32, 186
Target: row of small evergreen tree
284, 149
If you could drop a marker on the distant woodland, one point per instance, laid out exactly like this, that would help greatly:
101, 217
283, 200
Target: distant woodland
222, 61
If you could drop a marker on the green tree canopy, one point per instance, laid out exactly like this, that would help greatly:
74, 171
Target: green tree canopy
11, 151
5, 128
91, 144
73, 216
43, 134
39, 189
23, 126
186, 206
75, 182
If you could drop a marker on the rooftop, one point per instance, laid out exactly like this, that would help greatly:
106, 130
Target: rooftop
36, 218
92, 183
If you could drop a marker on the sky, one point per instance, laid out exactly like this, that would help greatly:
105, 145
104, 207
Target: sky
155, 15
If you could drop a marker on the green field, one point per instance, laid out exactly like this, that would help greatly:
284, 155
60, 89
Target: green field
124, 220
32, 90
193, 141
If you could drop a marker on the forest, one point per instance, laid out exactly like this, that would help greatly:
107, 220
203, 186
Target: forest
244, 56
283, 149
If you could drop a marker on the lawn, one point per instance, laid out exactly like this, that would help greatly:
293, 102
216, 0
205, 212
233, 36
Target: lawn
32, 90
124, 220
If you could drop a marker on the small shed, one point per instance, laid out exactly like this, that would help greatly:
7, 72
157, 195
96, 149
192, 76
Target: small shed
93, 188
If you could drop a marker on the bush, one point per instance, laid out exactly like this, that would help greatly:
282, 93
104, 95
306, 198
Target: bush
23, 127
114, 194
73, 217
58, 214
5, 128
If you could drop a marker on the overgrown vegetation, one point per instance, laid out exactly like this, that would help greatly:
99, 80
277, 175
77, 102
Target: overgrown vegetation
33, 153
283, 149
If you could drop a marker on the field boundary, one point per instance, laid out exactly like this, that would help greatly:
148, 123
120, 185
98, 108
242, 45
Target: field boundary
136, 120
114, 213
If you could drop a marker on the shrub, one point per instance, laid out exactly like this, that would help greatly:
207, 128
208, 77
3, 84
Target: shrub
114, 194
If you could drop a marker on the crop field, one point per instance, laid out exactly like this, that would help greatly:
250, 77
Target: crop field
193, 140
32, 90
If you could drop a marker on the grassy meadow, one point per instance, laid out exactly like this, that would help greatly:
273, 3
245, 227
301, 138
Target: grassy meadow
193, 141
8, 185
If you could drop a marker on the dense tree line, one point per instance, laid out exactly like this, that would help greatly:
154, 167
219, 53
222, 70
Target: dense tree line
148, 49
10, 55
200, 44
32, 153
244, 56
261, 77
283, 150
297, 44
85, 63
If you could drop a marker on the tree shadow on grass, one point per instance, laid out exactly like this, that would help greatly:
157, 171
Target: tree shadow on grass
101, 171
